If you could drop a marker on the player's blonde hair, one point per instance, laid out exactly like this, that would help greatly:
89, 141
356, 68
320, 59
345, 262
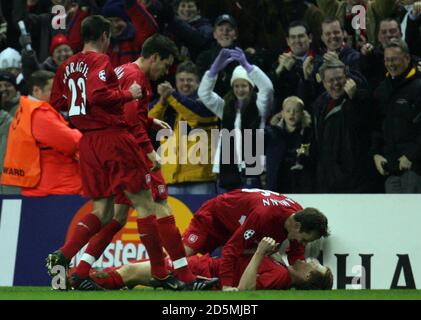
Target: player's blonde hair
317, 281
306, 119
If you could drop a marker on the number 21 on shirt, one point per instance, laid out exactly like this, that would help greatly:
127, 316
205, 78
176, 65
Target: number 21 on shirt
78, 90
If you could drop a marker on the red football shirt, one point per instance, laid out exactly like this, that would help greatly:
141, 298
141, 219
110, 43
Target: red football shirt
86, 86
136, 111
270, 274
265, 213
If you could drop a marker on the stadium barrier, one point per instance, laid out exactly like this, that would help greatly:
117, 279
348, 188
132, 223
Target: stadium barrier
375, 241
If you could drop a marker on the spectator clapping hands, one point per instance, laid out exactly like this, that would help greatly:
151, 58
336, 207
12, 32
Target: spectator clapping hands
221, 61
164, 89
239, 55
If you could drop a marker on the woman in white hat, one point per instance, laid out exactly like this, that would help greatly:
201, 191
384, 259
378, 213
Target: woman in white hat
242, 112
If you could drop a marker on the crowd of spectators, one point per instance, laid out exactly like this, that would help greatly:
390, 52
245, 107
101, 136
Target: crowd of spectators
336, 91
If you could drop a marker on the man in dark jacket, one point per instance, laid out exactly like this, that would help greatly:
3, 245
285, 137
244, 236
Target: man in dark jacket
191, 32
225, 32
288, 76
333, 38
341, 138
396, 145
372, 58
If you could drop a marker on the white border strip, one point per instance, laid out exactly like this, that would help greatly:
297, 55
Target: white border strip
9, 235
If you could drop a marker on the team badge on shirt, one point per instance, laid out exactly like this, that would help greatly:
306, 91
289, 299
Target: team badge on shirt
248, 234
148, 178
102, 76
193, 238
161, 189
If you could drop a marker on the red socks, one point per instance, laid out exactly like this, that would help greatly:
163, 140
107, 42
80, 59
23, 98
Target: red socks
85, 229
149, 235
96, 247
171, 240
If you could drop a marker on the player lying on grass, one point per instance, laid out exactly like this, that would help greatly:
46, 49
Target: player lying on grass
240, 218
256, 272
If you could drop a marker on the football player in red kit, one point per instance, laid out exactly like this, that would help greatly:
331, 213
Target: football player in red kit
256, 272
157, 56
240, 218
217, 219
158, 53
111, 162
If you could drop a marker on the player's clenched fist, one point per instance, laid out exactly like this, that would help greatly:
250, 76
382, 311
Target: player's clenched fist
136, 90
267, 246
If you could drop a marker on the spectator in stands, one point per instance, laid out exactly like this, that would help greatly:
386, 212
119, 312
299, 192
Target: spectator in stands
9, 103
289, 76
131, 25
376, 10
184, 105
287, 145
83, 9
225, 32
191, 32
396, 144
60, 50
240, 109
264, 24
49, 157
8, 26
11, 61
212, 9
39, 23
336, 49
341, 136
372, 57
413, 29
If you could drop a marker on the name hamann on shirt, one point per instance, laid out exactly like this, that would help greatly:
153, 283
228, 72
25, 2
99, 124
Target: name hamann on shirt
73, 67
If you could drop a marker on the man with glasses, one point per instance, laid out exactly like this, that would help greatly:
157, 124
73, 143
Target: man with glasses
396, 145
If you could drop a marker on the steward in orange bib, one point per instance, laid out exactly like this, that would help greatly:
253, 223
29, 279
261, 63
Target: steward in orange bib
41, 154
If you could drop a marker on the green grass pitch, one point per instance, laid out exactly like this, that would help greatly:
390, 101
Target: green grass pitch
45, 293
